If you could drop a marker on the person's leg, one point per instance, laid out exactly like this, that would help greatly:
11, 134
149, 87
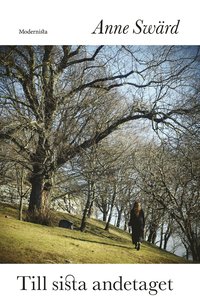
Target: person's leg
134, 241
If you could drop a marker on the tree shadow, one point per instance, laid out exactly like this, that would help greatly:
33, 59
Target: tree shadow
104, 243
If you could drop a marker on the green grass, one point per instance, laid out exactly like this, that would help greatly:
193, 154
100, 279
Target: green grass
24, 242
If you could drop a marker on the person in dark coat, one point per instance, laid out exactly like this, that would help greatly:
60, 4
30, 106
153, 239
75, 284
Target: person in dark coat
137, 224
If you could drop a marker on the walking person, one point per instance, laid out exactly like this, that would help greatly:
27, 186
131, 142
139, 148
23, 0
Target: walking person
137, 223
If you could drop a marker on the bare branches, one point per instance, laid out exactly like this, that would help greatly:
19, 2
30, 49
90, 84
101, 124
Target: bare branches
68, 54
65, 99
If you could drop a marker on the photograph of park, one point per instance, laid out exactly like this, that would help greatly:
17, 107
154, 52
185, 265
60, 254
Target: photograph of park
100, 154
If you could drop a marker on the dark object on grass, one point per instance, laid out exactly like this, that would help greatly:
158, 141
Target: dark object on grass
66, 224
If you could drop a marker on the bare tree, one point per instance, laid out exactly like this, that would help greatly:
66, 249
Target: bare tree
169, 178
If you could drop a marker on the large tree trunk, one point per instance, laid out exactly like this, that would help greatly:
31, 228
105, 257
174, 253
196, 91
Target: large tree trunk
41, 181
35, 202
40, 198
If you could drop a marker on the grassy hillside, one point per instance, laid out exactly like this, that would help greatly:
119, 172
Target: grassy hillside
24, 242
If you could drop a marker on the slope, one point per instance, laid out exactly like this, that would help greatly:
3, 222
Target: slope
24, 242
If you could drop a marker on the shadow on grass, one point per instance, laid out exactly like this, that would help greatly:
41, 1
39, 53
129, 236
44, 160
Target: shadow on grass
104, 243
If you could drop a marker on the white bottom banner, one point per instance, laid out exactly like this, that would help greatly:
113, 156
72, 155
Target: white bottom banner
39, 284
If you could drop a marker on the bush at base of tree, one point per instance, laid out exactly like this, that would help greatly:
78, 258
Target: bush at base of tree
43, 217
